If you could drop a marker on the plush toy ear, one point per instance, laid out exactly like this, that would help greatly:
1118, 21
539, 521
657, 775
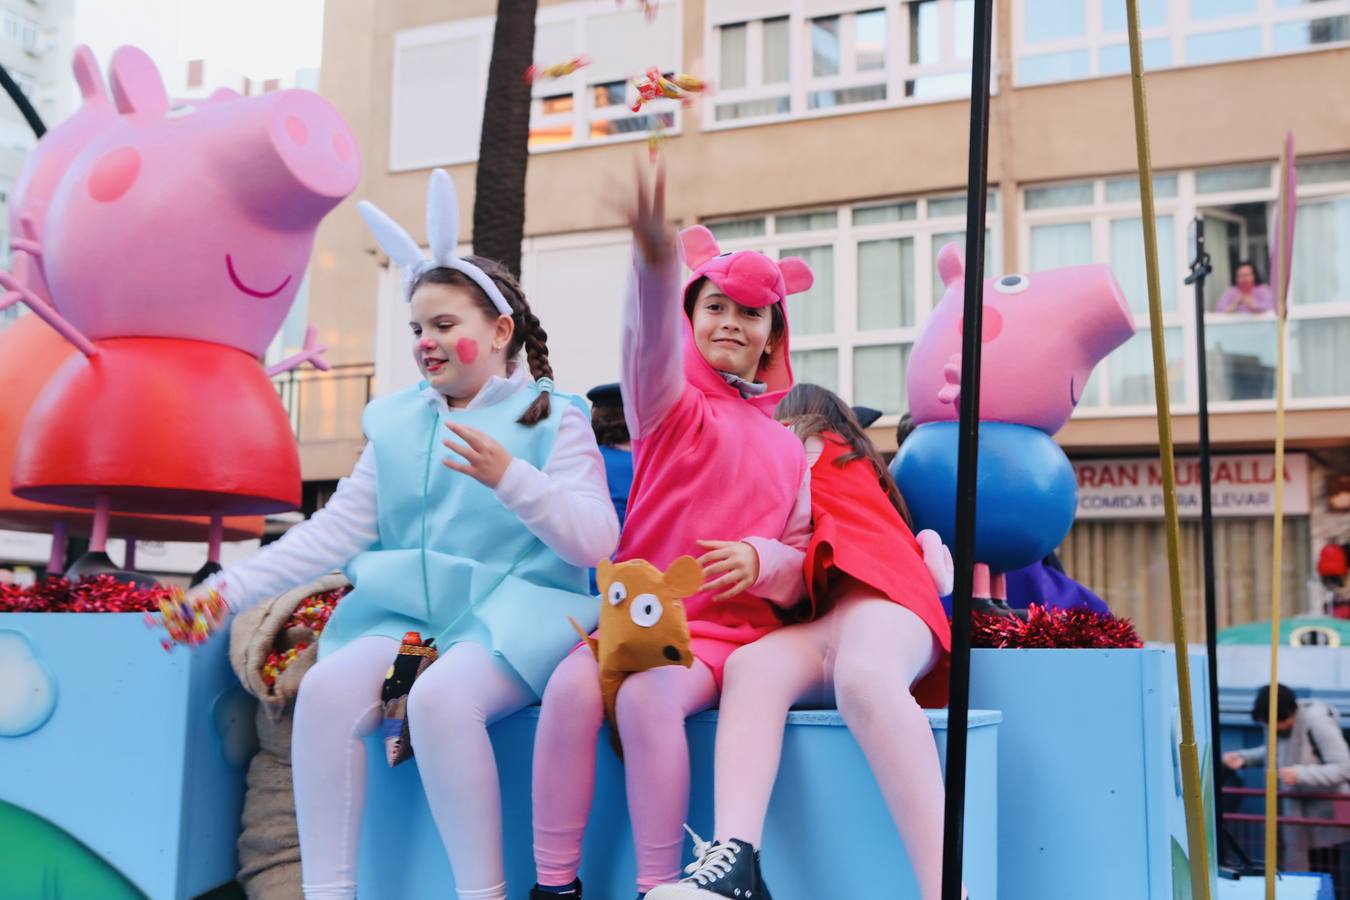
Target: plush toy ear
699, 245
136, 85
684, 577
797, 275
604, 573
951, 267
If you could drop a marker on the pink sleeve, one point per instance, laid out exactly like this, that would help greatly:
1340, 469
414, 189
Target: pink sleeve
652, 374
781, 579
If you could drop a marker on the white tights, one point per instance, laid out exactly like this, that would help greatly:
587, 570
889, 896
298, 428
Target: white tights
449, 710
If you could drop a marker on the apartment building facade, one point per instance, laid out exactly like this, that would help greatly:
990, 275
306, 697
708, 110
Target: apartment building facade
837, 131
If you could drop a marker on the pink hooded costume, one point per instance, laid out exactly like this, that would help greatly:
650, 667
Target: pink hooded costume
710, 463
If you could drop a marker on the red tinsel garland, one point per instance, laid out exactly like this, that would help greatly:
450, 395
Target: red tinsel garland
1054, 628
101, 593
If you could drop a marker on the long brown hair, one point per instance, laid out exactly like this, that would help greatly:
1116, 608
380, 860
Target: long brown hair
528, 333
810, 410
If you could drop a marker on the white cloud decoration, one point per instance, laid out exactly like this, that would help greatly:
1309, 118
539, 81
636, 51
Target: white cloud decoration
27, 688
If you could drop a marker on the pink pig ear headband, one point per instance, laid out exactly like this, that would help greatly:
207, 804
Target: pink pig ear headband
442, 235
746, 276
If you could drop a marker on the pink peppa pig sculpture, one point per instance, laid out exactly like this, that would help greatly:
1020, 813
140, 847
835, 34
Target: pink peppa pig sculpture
171, 241
1043, 333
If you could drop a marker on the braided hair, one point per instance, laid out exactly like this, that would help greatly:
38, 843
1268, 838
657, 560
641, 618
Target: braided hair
528, 334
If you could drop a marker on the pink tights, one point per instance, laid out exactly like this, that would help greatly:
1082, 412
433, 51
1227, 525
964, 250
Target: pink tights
651, 710
863, 656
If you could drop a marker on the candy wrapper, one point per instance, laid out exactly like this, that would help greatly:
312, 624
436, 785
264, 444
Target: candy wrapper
414, 655
557, 70
655, 86
187, 620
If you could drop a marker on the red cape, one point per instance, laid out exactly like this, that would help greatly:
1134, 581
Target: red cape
858, 532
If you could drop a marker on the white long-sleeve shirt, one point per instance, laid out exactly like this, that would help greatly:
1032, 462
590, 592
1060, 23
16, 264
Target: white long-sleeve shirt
566, 505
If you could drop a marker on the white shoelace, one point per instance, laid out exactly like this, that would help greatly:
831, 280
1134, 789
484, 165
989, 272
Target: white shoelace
712, 860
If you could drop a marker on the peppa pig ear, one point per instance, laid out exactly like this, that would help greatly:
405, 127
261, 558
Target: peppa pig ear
136, 85
87, 75
797, 276
442, 217
699, 245
951, 267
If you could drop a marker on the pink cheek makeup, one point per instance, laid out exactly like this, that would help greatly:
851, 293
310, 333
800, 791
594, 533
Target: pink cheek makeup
466, 350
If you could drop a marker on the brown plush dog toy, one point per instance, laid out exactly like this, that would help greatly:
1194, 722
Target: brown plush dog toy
642, 623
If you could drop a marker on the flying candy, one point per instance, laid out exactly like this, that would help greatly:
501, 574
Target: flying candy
655, 86
557, 70
187, 621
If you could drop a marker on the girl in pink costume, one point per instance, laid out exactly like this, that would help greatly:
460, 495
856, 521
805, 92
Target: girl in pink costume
877, 649
702, 371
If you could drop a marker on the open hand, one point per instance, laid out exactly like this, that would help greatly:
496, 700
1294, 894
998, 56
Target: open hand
731, 567
486, 459
647, 218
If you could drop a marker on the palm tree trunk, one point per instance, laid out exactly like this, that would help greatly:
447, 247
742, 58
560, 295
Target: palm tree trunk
503, 149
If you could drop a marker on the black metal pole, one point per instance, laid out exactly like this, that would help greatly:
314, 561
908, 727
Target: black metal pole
953, 826
1200, 269
21, 101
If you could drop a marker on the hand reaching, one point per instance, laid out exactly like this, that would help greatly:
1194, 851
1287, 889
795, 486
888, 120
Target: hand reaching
647, 218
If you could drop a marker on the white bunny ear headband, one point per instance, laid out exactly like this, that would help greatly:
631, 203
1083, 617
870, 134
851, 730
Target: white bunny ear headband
442, 234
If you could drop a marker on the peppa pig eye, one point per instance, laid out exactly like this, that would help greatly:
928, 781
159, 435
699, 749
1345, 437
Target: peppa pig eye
1012, 284
179, 111
645, 610
617, 593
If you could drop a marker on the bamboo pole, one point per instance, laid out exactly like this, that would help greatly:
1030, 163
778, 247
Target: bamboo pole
1190, 762
1284, 242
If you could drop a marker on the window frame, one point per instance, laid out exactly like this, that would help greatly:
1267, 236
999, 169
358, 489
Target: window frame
1176, 30
844, 238
480, 29
894, 73
1183, 208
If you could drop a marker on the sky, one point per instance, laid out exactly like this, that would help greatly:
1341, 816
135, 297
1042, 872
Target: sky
257, 38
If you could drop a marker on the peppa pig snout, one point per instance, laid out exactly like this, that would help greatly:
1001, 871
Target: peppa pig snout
292, 154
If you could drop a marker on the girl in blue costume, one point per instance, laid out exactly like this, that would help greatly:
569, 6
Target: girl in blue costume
475, 509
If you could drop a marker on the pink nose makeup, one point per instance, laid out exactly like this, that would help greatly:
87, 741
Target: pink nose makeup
467, 350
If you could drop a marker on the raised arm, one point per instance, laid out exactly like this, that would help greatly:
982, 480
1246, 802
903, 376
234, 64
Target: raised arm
652, 373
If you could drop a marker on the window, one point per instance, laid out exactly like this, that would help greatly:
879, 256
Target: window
20, 30
853, 331
1099, 221
444, 68
794, 63
1062, 40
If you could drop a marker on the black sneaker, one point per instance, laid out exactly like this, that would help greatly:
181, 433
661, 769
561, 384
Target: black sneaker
572, 893
723, 869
